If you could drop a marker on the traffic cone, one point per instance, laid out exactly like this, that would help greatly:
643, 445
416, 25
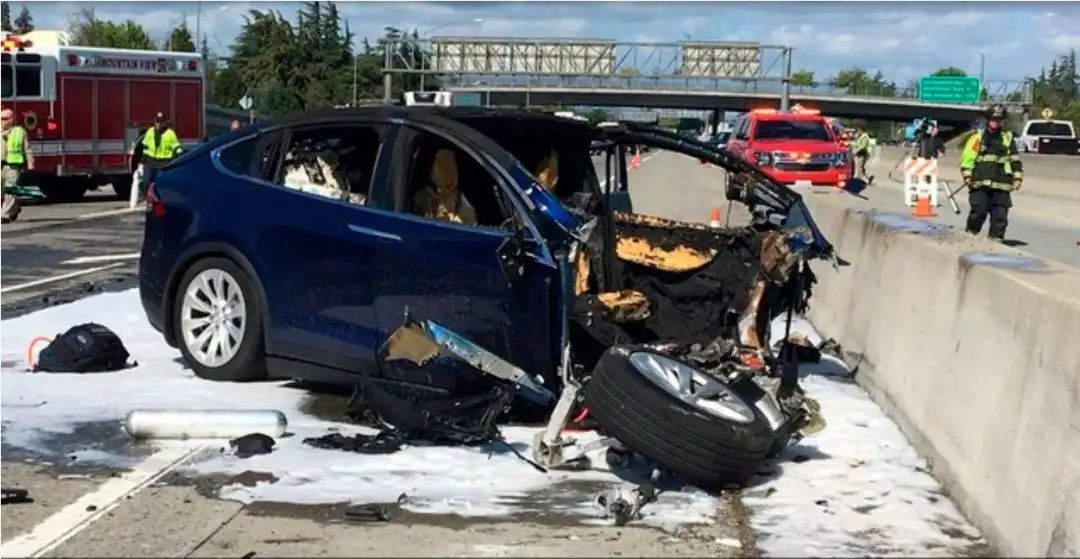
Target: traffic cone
922, 207
714, 217
635, 161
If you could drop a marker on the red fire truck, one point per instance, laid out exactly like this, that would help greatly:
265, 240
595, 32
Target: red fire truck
84, 108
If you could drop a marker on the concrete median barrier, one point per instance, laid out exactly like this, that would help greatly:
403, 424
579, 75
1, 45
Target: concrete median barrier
975, 353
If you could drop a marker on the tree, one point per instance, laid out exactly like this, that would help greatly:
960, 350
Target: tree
180, 39
858, 82
803, 78
5, 17
87, 30
949, 71
25, 22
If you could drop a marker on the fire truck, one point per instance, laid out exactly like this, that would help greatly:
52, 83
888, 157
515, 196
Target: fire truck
84, 108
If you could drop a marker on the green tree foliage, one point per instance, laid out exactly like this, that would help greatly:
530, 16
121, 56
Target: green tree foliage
1059, 89
5, 17
949, 71
803, 78
180, 39
859, 82
87, 30
25, 22
287, 67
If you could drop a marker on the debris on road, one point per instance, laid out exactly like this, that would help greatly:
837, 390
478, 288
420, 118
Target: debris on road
251, 444
86, 348
624, 504
203, 424
385, 442
372, 512
13, 496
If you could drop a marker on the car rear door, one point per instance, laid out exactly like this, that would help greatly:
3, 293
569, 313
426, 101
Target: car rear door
315, 269
463, 276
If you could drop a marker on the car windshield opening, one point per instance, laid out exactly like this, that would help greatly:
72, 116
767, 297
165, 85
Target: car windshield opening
791, 130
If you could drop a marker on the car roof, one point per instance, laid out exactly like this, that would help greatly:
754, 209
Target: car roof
453, 119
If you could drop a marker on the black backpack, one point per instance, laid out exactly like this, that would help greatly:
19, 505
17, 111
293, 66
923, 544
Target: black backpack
86, 348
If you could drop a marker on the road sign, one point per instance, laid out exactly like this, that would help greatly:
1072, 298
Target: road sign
1047, 113
949, 89
246, 102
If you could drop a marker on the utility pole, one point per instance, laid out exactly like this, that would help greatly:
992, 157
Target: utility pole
198, 25
387, 61
785, 95
354, 71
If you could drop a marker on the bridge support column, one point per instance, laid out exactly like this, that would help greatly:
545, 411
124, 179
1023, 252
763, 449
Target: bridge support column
714, 120
785, 95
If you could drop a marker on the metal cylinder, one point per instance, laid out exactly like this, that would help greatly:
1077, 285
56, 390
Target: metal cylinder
203, 424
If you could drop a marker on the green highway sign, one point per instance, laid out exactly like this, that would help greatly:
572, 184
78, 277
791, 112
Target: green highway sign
949, 89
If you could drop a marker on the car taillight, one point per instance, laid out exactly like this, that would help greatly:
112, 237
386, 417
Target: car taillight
154, 206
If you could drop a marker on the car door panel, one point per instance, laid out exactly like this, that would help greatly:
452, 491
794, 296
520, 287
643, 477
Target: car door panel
321, 291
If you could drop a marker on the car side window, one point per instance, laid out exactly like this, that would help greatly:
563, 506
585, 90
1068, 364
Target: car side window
742, 132
239, 158
335, 162
444, 182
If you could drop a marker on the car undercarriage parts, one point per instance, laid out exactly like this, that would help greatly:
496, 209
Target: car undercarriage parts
627, 305
385, 442
203, 424
419, 342
624, 504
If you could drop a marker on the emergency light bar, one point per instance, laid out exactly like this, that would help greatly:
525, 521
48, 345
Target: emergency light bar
10, 44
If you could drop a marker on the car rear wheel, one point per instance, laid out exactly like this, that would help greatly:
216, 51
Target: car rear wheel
218, 322
708, 431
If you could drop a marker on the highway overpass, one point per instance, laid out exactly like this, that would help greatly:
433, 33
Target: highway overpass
868, 108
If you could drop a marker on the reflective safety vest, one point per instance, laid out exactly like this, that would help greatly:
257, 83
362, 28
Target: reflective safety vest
162, 149
991, 161
13, 148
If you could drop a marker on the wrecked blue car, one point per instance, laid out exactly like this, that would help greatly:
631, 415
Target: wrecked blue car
468, 255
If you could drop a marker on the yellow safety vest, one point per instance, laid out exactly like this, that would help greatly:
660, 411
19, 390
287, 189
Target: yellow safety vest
13, 153
164, 148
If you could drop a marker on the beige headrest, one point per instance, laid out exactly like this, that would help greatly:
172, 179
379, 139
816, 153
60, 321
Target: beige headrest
444, 172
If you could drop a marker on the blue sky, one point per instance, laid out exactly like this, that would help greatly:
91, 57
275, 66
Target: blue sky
903, 39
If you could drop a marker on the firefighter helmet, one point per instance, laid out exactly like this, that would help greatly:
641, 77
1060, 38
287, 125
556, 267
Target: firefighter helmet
996, 112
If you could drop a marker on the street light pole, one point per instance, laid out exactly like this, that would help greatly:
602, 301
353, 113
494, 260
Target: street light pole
982, 68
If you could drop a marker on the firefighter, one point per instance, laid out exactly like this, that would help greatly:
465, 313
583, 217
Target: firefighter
991, 169
159, 146
17, 158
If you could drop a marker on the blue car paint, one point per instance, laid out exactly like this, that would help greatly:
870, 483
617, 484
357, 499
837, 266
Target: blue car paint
337, 277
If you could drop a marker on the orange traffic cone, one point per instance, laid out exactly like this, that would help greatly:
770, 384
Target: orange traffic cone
714, 217
635, 161
922, 207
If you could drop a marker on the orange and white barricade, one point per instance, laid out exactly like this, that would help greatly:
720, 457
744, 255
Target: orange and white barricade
920, 174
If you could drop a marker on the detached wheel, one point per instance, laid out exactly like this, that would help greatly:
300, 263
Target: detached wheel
218, 322
686, 421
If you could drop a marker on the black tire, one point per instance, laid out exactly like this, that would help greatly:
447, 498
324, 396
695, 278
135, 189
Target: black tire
249, 362
121, 185
708, 450
63, 189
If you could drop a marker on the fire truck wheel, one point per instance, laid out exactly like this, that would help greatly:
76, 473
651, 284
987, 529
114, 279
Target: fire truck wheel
62, 189
121, 185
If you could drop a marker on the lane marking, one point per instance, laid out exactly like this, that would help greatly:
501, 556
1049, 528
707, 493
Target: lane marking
108, 213
63, 277
74, 518
102, 258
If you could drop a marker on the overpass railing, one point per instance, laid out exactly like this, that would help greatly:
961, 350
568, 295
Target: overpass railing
477, 62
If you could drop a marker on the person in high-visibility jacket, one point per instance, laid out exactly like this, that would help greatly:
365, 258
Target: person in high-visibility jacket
992, 169
861, 148
17, 158
159, 145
